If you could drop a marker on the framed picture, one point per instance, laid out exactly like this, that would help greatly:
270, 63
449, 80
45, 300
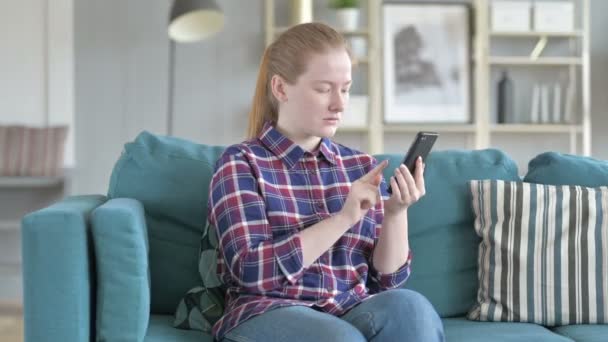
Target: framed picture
426, 62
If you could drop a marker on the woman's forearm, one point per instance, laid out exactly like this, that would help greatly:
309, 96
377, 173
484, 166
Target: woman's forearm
317, 238
392, 249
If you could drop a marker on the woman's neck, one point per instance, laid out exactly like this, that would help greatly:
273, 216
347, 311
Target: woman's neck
308, 143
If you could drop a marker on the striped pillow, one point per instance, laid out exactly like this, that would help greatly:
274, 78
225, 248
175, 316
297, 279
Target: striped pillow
543, 256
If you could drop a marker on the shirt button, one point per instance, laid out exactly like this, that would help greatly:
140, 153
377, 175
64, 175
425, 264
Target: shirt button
320, 205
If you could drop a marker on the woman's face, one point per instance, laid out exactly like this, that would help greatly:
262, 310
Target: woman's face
312, 107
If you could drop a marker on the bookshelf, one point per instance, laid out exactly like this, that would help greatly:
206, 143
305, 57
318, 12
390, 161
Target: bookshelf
575, 62
480, 132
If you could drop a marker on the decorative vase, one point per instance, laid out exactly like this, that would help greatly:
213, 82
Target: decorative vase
348, 18
505, 99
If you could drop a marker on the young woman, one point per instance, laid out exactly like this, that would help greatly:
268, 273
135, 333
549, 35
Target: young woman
312, 247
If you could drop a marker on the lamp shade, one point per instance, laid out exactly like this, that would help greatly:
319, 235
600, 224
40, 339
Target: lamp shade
193, 20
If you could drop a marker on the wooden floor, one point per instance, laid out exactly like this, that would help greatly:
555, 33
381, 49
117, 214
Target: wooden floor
11, 328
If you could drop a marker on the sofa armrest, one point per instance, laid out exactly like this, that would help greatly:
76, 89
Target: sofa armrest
58, 274
120, 237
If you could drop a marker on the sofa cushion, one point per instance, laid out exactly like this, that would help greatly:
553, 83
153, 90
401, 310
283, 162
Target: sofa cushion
161, 330
584, 332
544, 253
441, 232
461, 329
123, 282
565, 169
170, 177
58, 272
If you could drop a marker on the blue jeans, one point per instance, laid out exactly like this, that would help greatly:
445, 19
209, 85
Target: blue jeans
393, 315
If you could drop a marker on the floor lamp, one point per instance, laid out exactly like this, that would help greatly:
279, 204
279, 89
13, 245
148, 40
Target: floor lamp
189, 21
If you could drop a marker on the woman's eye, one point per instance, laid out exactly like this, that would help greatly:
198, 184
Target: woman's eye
345, 91
324, 90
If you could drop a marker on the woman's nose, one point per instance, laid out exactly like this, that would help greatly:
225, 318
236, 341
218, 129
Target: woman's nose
338, 102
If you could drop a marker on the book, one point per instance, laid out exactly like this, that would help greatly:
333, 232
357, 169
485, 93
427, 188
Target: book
557, 99
535, 107
544, 103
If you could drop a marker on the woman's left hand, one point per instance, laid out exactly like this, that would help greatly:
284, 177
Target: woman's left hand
407, 189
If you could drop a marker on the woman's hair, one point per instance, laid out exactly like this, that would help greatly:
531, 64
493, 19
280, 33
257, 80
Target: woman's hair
287, 57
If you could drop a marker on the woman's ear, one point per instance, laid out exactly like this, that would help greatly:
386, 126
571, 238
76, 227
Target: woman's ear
277, 85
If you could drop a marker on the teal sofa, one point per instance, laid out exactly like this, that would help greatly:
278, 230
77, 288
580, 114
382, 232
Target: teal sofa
114, 267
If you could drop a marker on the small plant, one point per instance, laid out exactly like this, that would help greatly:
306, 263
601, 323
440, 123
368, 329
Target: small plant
337, 4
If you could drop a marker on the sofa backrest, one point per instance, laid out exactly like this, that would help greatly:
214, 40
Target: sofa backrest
567, 169
441, 225
170, 176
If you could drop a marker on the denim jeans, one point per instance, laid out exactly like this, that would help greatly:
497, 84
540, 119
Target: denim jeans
393, 315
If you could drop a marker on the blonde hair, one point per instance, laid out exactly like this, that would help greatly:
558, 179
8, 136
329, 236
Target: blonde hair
287, 57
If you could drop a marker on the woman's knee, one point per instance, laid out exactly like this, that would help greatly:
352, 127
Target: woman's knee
408, 313
411, 300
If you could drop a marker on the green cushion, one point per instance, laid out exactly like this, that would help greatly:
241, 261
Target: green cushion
203, 305
160, 330
461, 329
441, 232
584, 332
123, 281
170, 177
565, 169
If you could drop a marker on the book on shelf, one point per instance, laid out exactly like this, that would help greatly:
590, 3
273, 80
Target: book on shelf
535, 105
544, 104
557, 99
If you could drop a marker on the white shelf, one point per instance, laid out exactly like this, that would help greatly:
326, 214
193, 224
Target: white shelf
13, 307
353, 129
535, 128
30, 182
412, 128
539, 61
360, 60
6, 225
359, 32
534, 34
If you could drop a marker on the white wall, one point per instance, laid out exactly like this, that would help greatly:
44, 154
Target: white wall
37, 65
122, 72
121, 82
36, 87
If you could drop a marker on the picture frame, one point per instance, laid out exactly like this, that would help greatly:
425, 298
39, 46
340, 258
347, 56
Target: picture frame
426, 62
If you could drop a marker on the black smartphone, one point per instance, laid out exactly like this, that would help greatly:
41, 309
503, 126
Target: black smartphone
421, 147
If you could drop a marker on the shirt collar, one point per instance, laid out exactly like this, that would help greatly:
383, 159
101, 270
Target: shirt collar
287, 150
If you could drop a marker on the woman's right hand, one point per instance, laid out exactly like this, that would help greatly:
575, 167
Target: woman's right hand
363, 195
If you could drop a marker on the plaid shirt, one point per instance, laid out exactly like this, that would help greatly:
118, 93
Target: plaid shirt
266, 190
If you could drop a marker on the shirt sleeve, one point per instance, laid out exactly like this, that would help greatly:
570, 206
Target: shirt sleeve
378, 281
256, 260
